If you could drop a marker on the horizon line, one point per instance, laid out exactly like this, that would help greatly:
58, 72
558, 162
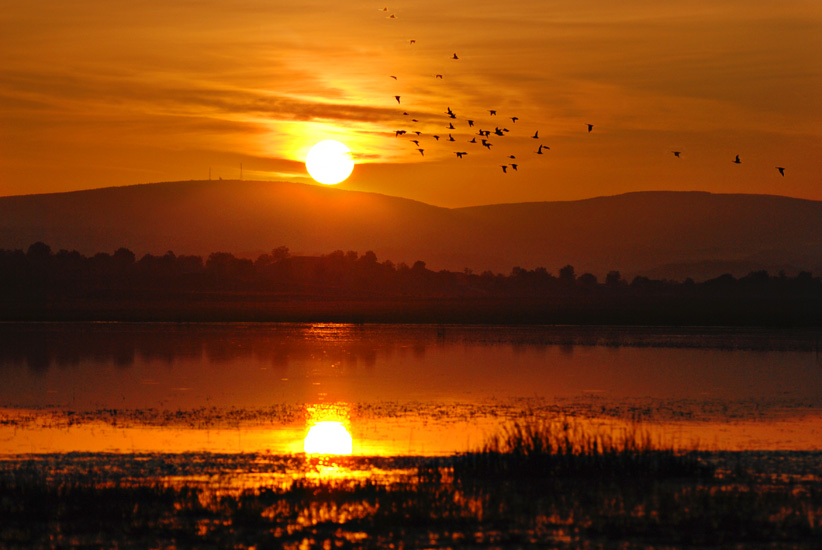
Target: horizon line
335, 188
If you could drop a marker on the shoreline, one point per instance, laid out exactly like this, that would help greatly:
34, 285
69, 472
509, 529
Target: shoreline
654, 311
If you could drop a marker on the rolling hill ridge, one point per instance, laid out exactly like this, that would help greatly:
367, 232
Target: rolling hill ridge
668, 234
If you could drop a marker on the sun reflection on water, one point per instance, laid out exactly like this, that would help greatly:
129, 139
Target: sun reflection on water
328, 429
328, 438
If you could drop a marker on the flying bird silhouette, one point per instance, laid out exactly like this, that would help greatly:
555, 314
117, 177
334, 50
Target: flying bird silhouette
413, 41
451, 126
451, 138
514, 166
417, 132
539, 151
436, 137
515, 119
676, 153
590, 127
415, 142
781, 170
504, 168
399, 133
460, 154
511, 157
493, 112
736, 160
397, 98
536, 135
455, 57
470, 123
438, 76
487, 145
421, 152
392, 76
473, 140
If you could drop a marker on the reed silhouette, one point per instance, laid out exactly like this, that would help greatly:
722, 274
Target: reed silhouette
274, 501
563, 447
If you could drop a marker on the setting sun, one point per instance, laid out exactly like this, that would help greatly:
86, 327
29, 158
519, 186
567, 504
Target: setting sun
328, 438
329, 162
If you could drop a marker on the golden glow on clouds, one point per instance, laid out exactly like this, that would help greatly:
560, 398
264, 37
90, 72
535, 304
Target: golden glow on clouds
94, 94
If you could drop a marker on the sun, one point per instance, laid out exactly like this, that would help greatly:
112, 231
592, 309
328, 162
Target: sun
329, 162
328, 438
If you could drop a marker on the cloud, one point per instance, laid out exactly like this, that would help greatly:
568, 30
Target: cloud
60, 94
147, 82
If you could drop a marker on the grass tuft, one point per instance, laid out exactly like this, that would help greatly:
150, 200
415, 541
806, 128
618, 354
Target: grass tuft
566, 447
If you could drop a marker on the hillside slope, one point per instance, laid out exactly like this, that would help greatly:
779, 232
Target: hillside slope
648, 232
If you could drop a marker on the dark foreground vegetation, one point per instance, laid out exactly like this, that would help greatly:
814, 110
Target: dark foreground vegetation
561, 447
577, 490
39, 284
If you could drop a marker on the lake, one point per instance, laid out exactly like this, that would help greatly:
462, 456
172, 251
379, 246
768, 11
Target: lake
422, 390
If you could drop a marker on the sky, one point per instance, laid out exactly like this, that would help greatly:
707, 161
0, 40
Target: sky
96, 93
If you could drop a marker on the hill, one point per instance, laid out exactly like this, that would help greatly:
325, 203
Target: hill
677, 234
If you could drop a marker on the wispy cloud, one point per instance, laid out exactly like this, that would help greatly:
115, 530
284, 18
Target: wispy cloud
151, 81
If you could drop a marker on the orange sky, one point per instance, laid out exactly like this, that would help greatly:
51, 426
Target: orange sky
95, 93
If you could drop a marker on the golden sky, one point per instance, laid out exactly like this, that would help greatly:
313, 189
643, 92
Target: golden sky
96, 93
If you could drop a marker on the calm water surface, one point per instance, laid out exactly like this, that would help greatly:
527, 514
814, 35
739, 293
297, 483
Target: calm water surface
400, 389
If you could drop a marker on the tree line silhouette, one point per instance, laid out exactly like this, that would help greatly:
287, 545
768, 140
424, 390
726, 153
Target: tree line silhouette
40, 280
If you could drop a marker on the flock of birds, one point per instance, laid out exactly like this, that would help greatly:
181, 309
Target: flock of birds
482, 137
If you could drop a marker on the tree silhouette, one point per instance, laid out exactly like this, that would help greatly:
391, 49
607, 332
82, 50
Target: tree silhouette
369, 258
566, 274
37, 277
587, 280
39, 252
613, 278
280, 253
123, 259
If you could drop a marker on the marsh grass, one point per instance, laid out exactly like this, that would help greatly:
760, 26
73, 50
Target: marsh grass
82, 504
538, 447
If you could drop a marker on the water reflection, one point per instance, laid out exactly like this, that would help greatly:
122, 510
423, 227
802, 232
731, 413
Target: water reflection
328, 438
328, 429
390, 429
166, 366
398, 389
41, 346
